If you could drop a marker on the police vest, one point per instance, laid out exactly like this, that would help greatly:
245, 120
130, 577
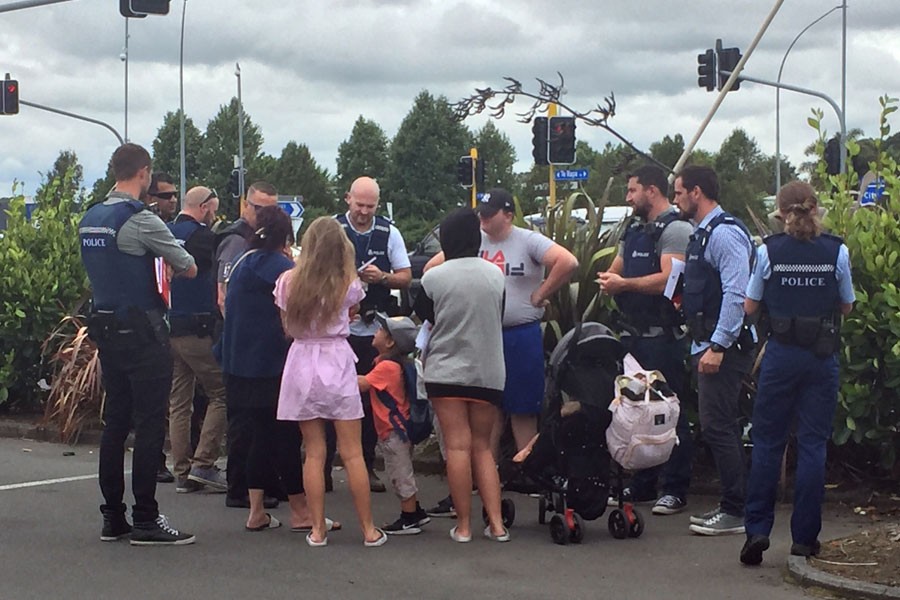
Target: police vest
640, 258
369, 246
192, 296
702, 297
119, 281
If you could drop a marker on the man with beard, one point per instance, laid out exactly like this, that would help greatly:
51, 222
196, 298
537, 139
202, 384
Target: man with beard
163, 196
717, 269
120, 239
193, 319
650, 324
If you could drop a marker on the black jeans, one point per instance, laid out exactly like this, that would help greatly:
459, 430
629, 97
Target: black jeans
668, 356
137, 376
719, 398
365, 355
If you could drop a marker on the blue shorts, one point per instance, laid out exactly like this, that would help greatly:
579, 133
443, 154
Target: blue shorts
523, 353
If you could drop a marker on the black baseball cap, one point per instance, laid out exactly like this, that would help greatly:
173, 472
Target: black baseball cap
495, 200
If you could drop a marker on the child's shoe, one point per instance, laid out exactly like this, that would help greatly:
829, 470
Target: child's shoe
408, 523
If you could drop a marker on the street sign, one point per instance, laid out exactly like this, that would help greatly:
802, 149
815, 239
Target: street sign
873, 193
571, 175
293, 208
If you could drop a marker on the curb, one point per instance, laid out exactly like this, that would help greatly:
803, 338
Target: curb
808, 576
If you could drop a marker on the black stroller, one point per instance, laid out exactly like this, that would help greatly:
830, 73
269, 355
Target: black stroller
569, 465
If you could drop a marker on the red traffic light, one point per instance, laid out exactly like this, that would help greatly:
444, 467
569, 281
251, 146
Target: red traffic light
11, 88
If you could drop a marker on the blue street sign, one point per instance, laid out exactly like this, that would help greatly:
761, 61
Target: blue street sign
293, 208
571, 175
873, 193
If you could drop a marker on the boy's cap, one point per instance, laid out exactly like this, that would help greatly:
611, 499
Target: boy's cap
401, 329
495, 200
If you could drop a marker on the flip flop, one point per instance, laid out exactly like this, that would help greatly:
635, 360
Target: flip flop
315, 544
272, 523
330, 525
379, 542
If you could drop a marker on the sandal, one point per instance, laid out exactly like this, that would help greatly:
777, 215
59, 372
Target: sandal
272, 523
379, 542
503, 537
330, 525
314, 544
456, 537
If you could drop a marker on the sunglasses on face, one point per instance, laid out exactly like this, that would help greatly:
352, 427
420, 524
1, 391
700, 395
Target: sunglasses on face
164, 195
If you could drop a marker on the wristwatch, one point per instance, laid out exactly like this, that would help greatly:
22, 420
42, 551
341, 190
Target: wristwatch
384, 277
717, 348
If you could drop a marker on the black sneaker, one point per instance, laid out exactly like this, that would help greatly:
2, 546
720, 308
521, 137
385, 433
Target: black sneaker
115, 527
806, 550
407, 524
752, 552
159, 533
164, 475
443, 509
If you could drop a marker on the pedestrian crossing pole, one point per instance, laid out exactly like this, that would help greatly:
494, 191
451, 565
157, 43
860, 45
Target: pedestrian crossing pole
473, 154
551, 199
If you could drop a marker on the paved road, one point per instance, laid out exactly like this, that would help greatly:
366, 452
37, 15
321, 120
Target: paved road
49, 547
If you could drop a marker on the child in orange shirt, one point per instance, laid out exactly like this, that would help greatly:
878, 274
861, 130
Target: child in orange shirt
390, 409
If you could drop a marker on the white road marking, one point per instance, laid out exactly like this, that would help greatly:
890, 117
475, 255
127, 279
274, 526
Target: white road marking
28, 484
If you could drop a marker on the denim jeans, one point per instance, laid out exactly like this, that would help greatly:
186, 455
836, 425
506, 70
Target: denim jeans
795, 387
667, 355
137, 376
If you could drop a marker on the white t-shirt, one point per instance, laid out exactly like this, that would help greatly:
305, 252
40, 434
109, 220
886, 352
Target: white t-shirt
399, 258
519, 256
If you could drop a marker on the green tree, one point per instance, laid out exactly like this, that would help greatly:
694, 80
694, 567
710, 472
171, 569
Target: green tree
668, 150
64, 180
220, 146
365, 152
744, 175
297, 173
167, 148
499, 156
102, 187
421, 178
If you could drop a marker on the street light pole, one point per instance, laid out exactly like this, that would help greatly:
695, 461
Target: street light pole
778, 99
237, 73
126, 78
182, 173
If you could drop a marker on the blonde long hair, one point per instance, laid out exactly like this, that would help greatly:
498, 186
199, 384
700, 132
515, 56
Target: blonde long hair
800, 210
324, 271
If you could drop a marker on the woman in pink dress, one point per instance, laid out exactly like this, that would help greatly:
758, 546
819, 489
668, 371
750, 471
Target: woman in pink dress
317, 298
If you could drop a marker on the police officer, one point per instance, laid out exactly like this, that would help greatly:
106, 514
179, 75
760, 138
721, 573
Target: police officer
717, 268
194, 318
383, 264
119, 240
802, 280
651, 326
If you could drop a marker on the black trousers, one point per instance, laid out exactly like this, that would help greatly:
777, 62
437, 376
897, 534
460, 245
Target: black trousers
365, 355
274, 451
137, 376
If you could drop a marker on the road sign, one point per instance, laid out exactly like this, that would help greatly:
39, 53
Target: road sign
873, 193
293, 208
571, 175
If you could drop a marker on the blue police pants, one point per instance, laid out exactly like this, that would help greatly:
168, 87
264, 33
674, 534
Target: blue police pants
666, 355
795, 387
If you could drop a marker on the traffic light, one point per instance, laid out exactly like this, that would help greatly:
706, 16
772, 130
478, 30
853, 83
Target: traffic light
707, 70
464, 171
727, 60
561, 136
479, 173
539, 140
138, 9
833, 156
10, 100
234, 183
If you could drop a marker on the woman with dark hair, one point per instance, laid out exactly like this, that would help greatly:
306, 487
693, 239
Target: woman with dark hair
254, 348
802, 278
464, 368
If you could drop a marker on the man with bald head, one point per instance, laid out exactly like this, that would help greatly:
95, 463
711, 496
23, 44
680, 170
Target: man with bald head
193, 318
383, 264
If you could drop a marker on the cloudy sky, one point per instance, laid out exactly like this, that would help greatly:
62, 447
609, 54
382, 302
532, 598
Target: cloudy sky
309, 69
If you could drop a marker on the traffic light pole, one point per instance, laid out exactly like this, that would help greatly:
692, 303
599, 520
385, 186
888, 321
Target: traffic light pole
473, 153
725, 89
808, 92
74, 116
237, 73
551, 189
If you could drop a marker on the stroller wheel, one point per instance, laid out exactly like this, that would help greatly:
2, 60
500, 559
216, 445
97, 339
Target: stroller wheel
542, 510
637, 525
508, 512
558, 530
618, 524
576, 534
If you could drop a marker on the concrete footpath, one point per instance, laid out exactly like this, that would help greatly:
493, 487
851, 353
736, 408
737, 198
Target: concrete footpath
49, 542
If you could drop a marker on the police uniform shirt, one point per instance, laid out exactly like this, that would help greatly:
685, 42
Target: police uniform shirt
762, 271
145, 232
